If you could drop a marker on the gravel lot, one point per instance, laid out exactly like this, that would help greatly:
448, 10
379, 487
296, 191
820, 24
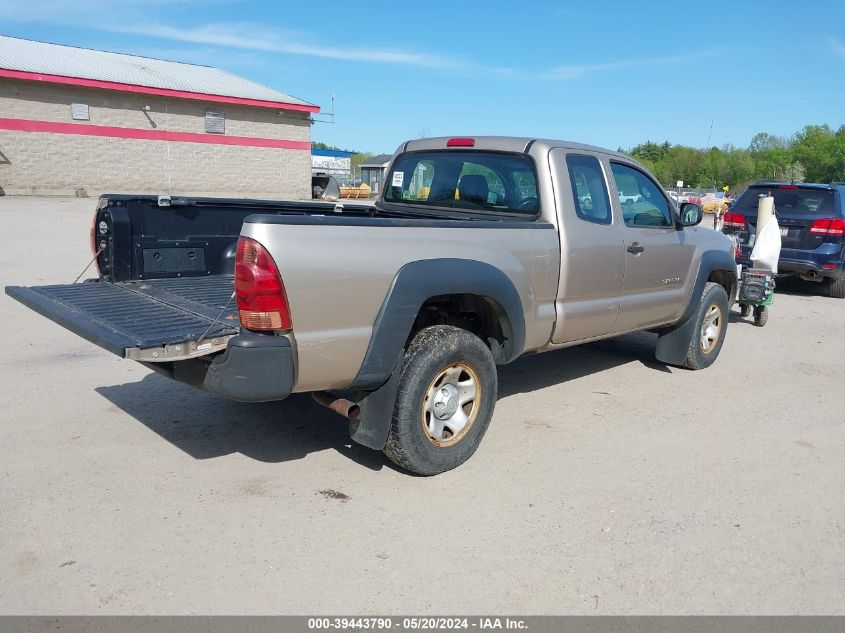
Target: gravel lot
607, 483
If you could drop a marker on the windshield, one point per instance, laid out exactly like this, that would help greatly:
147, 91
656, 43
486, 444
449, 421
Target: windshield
799, 201
469, 180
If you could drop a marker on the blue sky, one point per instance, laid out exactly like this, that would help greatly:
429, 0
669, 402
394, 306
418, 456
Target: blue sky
608, 73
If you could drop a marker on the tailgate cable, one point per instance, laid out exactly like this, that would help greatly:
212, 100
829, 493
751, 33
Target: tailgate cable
96, 255
217, 320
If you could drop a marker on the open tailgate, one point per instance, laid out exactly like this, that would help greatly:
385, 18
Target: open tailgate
152, 320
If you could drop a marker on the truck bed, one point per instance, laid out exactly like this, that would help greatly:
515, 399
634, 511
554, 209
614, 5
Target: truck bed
166, 278
139, 319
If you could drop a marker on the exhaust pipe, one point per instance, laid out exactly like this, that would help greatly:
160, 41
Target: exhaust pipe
812, 274
342, 406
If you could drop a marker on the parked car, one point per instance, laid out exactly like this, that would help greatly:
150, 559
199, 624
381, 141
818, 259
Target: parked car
677, 198
628, 199
397, 316
812, 224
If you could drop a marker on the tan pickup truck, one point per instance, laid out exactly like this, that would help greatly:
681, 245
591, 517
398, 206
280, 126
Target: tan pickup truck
478, 250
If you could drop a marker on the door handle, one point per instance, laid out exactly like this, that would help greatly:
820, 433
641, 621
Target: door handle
636, 249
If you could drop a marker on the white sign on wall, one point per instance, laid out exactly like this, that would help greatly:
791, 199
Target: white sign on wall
340, 167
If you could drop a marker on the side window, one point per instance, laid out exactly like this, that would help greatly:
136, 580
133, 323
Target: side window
588, 188
642, 202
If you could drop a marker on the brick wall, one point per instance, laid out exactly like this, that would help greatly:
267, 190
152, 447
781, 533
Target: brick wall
42, 163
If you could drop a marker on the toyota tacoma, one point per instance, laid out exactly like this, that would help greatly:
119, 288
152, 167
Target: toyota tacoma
477, 251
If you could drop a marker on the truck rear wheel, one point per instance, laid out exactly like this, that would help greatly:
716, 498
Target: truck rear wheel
711, 321
446, 397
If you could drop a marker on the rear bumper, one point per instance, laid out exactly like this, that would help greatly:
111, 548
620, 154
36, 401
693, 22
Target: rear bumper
789, 266
799, 267
254, 368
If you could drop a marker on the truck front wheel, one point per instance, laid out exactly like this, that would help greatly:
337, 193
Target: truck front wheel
446, 397
711, 321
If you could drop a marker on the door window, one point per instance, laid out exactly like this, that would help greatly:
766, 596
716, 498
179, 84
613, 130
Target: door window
643, 203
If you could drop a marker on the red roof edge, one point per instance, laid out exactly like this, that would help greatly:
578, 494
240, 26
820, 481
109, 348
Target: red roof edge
163, 92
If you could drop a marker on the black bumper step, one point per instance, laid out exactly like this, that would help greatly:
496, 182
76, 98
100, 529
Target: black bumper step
138, 314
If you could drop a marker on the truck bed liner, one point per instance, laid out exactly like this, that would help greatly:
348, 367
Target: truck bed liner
138, 314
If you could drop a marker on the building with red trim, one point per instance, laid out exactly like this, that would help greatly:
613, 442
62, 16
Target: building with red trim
86, 122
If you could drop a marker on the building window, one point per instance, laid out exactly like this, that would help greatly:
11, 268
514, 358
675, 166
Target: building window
215, 122
79, 111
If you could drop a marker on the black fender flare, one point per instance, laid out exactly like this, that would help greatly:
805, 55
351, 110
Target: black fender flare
673, 342
415, 283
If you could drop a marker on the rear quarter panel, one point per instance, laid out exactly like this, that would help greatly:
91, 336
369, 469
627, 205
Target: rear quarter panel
338, 275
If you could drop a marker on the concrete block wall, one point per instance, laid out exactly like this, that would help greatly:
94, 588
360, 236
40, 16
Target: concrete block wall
46, 163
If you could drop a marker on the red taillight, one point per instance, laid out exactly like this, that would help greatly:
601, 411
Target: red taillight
461, 141
735, 220
787, 186
829, 266
262, 304
828, 226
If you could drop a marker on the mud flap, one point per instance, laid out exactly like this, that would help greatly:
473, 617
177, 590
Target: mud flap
372, 426
673, 343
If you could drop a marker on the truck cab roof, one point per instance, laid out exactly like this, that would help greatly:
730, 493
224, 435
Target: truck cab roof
516, 144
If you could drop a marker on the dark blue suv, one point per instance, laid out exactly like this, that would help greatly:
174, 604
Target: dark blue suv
812, 225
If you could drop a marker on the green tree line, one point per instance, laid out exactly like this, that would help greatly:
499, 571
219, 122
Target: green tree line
815, 154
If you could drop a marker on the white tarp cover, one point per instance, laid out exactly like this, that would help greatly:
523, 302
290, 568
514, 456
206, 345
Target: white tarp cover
766, 249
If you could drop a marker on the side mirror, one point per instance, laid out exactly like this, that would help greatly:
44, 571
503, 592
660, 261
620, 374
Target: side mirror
691, 214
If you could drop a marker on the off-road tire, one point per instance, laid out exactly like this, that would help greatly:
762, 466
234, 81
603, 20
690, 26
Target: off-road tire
761, 316
836, 287
714, 295
433, 350
745, 310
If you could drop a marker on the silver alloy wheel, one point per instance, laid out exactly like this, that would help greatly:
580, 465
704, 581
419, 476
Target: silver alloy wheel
711, 328
451, 405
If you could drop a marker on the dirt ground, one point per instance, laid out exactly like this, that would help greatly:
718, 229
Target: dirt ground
607, 483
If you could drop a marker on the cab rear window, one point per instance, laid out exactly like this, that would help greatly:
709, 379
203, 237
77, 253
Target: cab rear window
467, 180
800, 201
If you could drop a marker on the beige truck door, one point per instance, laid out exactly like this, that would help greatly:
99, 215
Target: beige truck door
657, 254
592, 257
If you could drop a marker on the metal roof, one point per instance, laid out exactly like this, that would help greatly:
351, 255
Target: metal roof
70, 61
334, 153
378, 161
